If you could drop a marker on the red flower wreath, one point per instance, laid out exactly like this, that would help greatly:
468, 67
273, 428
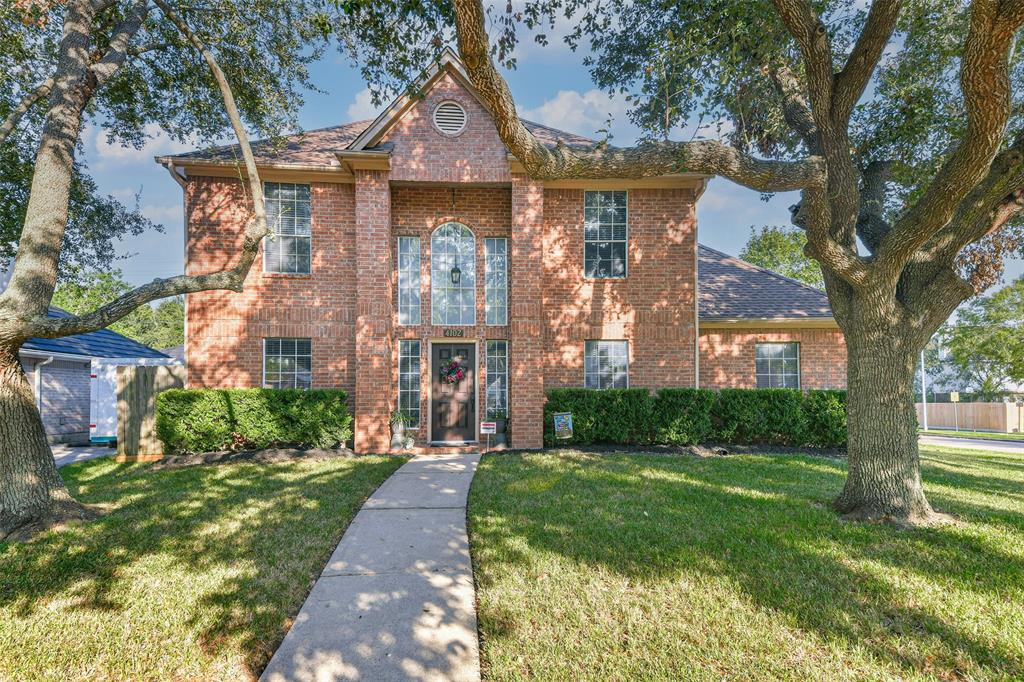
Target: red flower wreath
453, 372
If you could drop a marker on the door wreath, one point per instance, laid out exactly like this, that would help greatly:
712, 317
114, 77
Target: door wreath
453, 372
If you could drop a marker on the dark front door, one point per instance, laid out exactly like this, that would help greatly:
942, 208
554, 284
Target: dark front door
454, 404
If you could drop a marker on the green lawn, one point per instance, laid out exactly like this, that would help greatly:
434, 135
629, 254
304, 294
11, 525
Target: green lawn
973, 434
192, 574
677, 568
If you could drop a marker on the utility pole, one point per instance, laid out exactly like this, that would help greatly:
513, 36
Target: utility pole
924, 393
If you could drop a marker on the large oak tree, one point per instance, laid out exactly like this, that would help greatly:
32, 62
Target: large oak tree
195, 69
899, 125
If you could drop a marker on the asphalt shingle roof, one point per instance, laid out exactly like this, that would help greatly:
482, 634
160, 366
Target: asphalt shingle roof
731, 288
100, 344
318, 147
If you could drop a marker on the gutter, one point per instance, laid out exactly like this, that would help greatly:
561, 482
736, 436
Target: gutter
177, 175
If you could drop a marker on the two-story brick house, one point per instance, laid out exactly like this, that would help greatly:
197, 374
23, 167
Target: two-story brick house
417, 266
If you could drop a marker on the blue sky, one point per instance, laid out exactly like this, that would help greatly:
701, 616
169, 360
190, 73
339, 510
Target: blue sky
550, 87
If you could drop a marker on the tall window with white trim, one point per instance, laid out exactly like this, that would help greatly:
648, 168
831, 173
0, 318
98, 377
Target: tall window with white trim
287, 363
778, 365
605, 234
453, 275
606, 364
496, 281
408, 280
497, 380
288, 215
409, 380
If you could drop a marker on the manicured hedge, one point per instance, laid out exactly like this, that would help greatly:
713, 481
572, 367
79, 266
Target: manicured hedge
685, 416
203, 420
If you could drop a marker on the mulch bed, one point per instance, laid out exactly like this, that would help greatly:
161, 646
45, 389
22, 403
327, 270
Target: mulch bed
702, 451
267, 456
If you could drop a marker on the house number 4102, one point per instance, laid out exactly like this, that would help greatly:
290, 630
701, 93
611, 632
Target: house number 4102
454, 332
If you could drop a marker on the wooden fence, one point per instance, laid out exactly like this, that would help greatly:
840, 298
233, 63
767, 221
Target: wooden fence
997, 417
136, 409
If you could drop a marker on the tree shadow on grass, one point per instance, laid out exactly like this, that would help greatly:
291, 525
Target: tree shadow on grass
764, 523
255, 536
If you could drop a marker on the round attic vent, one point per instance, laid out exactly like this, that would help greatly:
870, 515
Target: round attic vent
450, 117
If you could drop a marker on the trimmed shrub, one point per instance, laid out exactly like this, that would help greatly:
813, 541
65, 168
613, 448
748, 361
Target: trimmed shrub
619, 416
682, 416
826, 418
203, 420
767, 415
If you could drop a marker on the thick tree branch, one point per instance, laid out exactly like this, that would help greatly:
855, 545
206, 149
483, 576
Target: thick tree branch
984, 78
26, 103
117, 51
232, 278
871, 223
656, 158
811, 35
795, 109
856, 73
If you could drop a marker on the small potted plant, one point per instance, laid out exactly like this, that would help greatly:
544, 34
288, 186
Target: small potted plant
500, 419
399, 421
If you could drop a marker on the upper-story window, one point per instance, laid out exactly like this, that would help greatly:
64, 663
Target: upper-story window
496, 281
288, 214
453, 275
778, 365
605, 235
408, 280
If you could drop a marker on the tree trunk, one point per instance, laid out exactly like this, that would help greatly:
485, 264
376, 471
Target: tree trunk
884, 479
33, 495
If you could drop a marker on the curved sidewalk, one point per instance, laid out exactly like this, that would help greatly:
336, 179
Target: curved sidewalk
396, 600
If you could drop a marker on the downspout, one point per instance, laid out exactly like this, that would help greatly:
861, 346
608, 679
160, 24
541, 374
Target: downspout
39, 382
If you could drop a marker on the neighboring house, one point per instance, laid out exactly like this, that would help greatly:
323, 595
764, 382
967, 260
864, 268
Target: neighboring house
59, 372
415, 239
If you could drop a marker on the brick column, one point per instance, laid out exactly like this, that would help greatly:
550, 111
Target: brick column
526, 329
374, 304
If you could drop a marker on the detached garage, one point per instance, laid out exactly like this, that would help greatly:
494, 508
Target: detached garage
59, 371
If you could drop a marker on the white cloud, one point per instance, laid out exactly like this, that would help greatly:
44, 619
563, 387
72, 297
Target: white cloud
585, 114
163, 214
158, 143
362, 107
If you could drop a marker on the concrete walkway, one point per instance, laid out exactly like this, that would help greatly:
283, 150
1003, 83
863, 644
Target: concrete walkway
68, 454
396, 600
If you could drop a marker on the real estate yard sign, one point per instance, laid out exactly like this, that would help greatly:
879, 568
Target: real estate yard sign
563, 424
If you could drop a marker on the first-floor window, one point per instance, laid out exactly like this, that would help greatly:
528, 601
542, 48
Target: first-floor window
497, 379
409, 381
778, 365
287, 363
606, 364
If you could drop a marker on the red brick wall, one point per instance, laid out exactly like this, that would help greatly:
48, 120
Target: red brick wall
527, 369
225, 329
374, 311
727, 356
423, 153
652, 308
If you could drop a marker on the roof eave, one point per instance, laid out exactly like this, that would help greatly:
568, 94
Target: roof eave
803, 322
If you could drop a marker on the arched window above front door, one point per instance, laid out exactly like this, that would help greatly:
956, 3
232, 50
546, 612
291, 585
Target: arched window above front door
453, 275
